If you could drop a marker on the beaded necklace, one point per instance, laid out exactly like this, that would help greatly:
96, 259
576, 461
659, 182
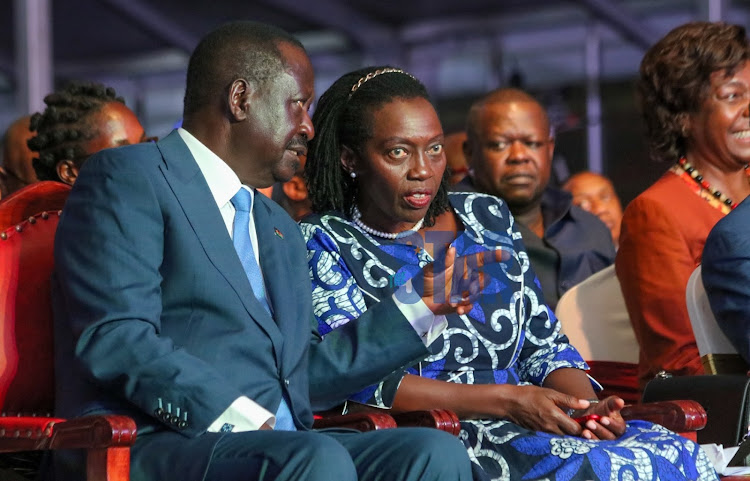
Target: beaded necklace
357, 216
714, 197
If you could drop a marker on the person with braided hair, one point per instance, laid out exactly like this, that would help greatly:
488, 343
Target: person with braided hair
376, 174
80, 119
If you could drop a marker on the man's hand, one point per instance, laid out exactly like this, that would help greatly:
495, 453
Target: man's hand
456, 286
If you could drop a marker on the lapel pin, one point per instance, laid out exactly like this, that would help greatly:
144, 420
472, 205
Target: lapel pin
278, 233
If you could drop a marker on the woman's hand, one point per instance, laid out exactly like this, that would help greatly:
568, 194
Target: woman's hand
543, 409
456, 283
610, 425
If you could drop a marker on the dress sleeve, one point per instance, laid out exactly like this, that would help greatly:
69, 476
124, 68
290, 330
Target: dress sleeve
653, 265
337, 301
543, 348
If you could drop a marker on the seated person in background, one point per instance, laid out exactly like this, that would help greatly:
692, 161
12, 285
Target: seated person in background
454, 155
376, 176
292, 194
182, 297
595, 193
80, 119
16, 170
726, 276
693, 89
510, 148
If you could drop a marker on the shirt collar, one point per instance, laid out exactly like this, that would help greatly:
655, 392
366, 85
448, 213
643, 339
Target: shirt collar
221, 179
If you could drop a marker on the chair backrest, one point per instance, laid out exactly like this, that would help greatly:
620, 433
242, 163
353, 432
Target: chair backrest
26, 344
594, 317
32, 199
718, 355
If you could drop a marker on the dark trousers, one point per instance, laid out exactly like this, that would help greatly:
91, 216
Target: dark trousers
409, 454
390, 455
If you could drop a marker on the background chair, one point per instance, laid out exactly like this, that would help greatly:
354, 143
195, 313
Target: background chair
725, 391
594, 317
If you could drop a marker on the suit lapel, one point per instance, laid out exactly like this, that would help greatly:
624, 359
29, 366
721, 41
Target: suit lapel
274, 265
192, 192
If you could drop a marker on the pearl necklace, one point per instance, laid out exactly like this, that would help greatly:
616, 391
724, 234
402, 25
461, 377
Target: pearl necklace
357, 216
698, 177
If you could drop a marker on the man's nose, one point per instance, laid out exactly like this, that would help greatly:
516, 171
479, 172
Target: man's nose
306, 127
597, 207
518, 151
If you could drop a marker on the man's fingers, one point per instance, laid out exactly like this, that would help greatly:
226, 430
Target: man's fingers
502, 254
450, 257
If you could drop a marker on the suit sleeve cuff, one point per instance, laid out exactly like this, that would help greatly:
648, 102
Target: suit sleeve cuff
426, 324
243, 414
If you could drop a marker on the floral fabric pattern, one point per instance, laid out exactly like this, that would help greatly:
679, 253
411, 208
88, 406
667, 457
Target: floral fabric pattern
509, 337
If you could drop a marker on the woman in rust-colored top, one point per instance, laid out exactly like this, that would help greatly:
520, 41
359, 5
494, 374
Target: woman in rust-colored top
695, 93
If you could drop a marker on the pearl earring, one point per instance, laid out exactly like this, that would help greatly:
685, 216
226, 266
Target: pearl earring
353, 174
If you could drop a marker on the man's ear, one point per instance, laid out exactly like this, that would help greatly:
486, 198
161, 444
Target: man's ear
348, 159
551, 147
67, 171
239, 99
295, 189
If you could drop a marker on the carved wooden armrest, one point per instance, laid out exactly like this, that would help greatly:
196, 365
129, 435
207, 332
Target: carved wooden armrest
679, 416
29, 433
442, 419
362, 421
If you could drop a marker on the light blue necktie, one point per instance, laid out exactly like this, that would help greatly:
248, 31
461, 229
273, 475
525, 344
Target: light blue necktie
242, 202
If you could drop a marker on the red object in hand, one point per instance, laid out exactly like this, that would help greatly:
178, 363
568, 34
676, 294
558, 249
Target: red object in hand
582, 419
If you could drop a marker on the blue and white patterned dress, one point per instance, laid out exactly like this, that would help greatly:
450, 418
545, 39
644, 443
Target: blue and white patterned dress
502, 341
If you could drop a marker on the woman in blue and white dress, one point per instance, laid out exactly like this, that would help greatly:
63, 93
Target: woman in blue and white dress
376, 178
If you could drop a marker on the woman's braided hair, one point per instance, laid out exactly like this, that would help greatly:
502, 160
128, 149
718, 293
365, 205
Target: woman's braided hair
343, 117
65, 125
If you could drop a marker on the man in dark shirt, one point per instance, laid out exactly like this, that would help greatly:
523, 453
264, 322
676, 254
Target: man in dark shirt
509, 147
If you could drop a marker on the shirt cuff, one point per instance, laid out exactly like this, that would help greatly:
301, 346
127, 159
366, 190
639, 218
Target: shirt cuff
427, 325
243, 414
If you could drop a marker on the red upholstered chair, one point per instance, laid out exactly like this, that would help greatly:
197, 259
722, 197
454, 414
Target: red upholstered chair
26, 347
32, 199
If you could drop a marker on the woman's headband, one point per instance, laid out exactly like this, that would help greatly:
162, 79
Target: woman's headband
374, 74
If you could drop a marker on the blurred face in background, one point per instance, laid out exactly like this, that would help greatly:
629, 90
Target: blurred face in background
594, 193
454, 154
17, 170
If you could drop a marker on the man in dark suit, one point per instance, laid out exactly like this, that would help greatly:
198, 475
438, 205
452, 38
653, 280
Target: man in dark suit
170, 309
509, 148
726, 276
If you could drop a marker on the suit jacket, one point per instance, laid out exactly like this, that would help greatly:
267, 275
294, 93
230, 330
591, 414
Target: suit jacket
661, 242
155, 317
726, 276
